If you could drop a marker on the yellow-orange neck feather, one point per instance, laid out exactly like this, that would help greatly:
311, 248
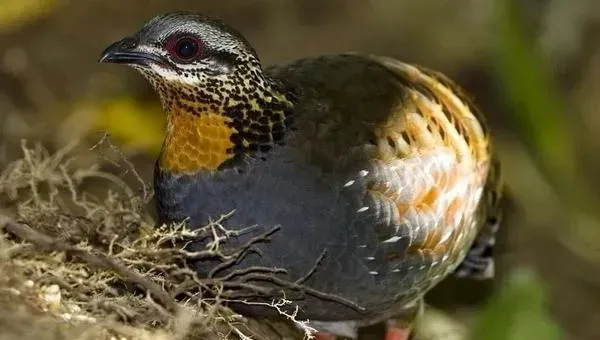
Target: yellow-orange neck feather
205, 130
196, 142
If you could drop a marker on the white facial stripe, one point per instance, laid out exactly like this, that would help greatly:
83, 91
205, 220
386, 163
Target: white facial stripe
170, 75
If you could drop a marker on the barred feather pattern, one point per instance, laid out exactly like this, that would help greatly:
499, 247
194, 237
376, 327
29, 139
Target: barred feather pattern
431, 183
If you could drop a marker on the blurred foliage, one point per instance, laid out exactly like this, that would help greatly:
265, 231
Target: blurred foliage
14, 13
539, 112
133, 124
518, 312
539, 108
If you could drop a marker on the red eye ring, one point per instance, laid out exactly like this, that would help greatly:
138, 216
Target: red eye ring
184, 48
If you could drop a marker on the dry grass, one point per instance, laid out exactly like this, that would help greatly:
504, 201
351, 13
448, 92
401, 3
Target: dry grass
83, 266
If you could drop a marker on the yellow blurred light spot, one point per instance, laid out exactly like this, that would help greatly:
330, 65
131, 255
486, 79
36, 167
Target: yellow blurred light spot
133, 125
14, 13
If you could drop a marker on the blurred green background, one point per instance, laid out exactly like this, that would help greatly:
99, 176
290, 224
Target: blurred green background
532, 65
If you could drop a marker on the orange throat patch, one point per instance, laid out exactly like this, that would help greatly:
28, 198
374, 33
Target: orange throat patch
196, 142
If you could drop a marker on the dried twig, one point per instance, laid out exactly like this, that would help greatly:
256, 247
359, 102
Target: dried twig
313, 269
144, 188
304, 289
41, 240
239, 254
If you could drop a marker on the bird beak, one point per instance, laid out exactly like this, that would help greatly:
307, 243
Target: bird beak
126, 51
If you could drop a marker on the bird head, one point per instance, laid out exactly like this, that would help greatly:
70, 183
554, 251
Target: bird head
220, 105
183, 50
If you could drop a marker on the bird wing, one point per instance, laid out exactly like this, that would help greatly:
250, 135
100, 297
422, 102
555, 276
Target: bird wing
428, 177
410, 146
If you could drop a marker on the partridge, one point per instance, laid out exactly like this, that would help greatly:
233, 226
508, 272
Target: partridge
378, 175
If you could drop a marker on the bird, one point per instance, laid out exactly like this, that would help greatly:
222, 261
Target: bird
377, 177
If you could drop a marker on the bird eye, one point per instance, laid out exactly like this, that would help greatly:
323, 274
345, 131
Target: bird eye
184, 49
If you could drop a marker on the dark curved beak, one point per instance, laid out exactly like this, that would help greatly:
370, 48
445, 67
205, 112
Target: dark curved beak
126, 52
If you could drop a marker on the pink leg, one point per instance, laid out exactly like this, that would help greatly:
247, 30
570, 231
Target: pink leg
400, 327
325, 336
395, 331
